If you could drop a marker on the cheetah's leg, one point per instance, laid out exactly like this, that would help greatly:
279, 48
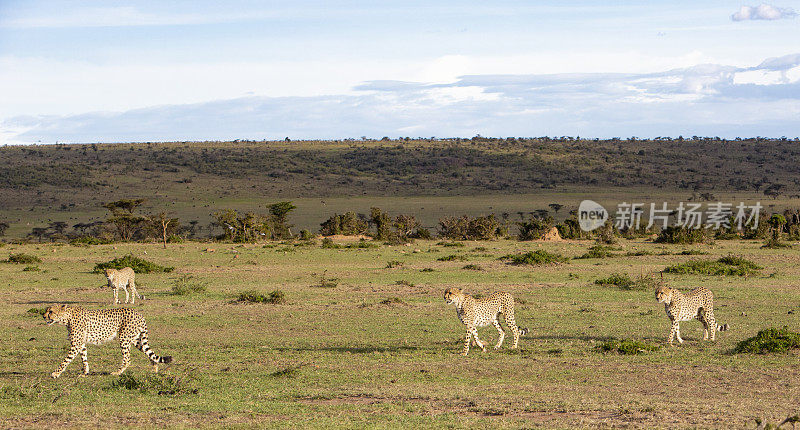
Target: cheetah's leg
73, 352
116, 295
127, 296
466, 343
675, 331
512, 324
85, 360
501, 332
480, 344
711, 324
132, 284
126, 356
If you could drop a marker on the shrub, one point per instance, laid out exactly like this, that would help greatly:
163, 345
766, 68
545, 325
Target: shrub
452, 257
22, 258
451, 244
625, 282
626, 347
327, 282
37, 312
768, 341
276, 297
534, 228
361, 244
139, 265
393, 301
472, 267
617, 279
684, 235
31, 269
466, 228
405, 283
186, 284
327, 243
306, 235
394, 264
725, 266
422, 233
158, 383
536, 258
599, 251
427, 269
349, 224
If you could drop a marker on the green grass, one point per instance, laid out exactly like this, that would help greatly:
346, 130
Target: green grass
725, 266
187, 284
770, 340
452, 257
378, 354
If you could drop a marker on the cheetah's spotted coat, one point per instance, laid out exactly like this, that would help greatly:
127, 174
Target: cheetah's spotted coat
98, 326
698, 304
482, 312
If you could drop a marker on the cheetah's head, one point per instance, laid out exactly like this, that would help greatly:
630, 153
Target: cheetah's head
453, 296
109, 273
56, 314
664, 295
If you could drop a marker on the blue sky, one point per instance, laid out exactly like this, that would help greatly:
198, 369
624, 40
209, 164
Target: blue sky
82, 71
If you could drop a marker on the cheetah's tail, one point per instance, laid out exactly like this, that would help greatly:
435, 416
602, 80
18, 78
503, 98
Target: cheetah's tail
523, 331
723, 327
152, 355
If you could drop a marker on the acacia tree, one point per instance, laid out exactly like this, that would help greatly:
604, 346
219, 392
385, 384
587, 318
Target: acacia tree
164, 225
122, 217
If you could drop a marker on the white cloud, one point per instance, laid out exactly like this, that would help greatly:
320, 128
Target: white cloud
763, 12
705, 99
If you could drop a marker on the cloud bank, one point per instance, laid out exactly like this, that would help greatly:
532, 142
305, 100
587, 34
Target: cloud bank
708, 100
763, 12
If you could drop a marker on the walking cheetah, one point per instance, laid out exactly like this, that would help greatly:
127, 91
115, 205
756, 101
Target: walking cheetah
98, 326
699, 304
122, 278
482, 312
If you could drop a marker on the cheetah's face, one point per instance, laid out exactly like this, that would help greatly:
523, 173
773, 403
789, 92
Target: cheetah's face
56, 314
452, 295
664, 295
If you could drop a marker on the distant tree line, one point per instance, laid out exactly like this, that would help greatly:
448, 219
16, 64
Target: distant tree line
124, 223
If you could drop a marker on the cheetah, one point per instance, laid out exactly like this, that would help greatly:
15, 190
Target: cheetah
122, 278
699, 304
482, 312
98, 326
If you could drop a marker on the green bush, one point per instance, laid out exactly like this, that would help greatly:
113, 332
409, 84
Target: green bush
599, 251
157, 383
139, 265
769, 340
327, 243
626, 347
394, 264
536, 258
617, 279
472, 267
276, 297
725, 266
37, 312
451, 244
684, 235
31, 269
186, 284
534, 228
22, 258
349, 224
452, 257
466, 228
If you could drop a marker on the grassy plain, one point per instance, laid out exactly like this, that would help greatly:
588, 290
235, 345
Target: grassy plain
345, 356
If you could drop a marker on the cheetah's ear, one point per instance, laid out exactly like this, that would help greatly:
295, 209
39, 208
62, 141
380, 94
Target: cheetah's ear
63, 307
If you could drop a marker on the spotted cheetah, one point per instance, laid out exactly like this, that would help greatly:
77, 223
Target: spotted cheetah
98, 326
482, 312
699, 304
122, 278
